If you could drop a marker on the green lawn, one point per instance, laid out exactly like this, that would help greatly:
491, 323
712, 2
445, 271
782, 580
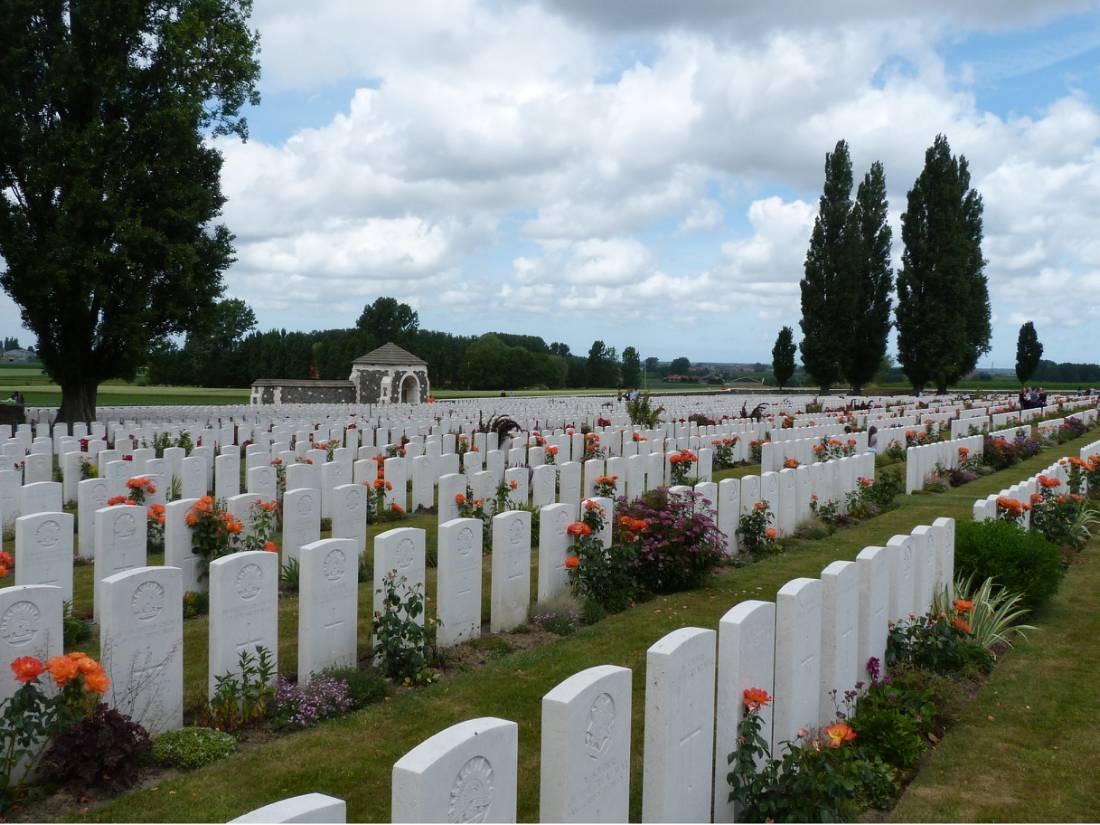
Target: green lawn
352, 757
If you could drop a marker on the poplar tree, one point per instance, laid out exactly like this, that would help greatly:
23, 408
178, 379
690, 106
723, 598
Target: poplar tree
874, 282
783, 356
1028, 352
828, 285
943, 312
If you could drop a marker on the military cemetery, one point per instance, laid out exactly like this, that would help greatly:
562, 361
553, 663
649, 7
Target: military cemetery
310, 512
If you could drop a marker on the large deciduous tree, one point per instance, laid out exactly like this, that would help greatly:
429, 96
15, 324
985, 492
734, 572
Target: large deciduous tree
602, 367
109, 180
943, 313
873, 282
631, 368
1029, 350
679, 366
783, 354
828, 286
388, 320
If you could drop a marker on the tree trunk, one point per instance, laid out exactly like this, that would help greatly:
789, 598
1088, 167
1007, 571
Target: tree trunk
78, 400
941, 387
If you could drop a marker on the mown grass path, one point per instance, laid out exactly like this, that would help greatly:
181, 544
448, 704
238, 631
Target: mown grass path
352, 757
1026, 750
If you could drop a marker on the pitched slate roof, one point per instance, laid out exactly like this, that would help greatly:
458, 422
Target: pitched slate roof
390, 355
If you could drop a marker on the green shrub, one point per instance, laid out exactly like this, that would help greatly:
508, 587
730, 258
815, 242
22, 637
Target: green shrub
1018, 560
190, 748
365, 687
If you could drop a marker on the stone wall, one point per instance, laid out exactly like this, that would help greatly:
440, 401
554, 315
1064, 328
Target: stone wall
277, 391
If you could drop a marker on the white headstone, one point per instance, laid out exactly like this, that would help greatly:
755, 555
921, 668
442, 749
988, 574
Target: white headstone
511, 570
31, 624
840, 668
44, 551
141, 645
120, 533
746, 659
797, 659
874, 606
679, 727
899, 550
349, 514
328, 606
458, 599
301, 520
177, 545
41, 497
585, 753
310, 807
244, 609
553, 578
401, 549
466, 773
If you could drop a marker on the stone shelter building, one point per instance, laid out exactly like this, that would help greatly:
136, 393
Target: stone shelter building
387, 375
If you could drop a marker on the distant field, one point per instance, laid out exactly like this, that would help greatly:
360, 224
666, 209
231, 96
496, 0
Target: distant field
39, 391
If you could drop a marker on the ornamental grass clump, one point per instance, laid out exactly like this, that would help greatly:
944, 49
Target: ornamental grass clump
993, 613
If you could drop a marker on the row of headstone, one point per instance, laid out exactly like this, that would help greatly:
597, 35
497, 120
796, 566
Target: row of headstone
922, 461
808, 647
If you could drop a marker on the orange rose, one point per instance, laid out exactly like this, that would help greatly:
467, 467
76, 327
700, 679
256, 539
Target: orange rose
839, 733
460, 499
963, 606
271, 547
513, 484
961, 624
572, 562
755, 698
96, 682
62, 669
27, 669
771, 533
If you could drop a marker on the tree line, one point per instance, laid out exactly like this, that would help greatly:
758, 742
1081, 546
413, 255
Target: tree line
226, 350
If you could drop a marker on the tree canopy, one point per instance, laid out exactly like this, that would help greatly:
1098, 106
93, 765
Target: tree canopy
109, 232
387, 320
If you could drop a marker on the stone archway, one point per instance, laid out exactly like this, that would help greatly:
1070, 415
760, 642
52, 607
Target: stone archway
410, 390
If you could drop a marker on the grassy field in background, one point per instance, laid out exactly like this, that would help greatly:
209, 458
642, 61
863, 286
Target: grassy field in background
352, 757
40, 391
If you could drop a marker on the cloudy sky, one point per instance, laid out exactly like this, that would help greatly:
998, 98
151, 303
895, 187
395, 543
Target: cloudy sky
647, 172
